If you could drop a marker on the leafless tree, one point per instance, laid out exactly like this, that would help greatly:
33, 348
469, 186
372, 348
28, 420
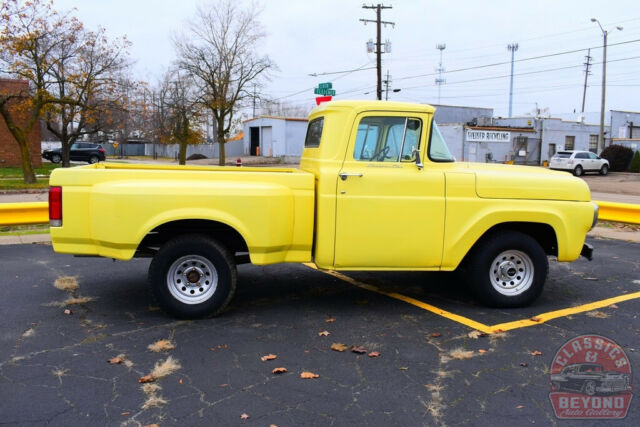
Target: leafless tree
220, 50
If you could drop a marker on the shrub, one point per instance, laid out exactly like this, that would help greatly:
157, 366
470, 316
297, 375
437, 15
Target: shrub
619, 157
197, 156
635, 163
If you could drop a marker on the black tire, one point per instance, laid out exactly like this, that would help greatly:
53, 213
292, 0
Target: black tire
56, 158
578, 171
94, 159
178, 277
589, 388
508, 269
604, 170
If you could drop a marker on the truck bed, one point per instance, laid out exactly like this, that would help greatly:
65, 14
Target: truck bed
109, 208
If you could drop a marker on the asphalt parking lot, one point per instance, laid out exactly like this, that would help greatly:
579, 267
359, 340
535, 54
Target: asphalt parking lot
430, 367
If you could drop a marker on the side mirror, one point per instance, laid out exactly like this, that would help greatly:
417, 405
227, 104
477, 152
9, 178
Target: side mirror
416, 153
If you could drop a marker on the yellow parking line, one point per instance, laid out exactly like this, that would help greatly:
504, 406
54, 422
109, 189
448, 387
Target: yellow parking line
544, 317
455, 317
490, 329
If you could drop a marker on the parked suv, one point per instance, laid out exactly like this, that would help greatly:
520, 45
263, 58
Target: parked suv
579, 162
80, 151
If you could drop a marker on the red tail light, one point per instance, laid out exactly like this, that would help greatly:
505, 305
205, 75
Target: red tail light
101, 150
55, 206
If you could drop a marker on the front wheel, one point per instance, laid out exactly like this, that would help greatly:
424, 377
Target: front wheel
578, 171
508, 269
604, 170
56, 158
192, 276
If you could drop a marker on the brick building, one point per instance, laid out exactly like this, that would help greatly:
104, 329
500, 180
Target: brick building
9, 149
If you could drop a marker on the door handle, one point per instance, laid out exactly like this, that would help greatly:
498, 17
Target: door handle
344, 175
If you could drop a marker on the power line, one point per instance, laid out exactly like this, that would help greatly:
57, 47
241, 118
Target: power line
476, 67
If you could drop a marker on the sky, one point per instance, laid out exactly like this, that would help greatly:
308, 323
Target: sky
304, 37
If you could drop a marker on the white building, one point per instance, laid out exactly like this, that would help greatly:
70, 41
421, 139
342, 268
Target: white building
274, 136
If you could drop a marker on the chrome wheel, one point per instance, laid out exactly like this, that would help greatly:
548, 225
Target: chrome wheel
511, 272
192, 279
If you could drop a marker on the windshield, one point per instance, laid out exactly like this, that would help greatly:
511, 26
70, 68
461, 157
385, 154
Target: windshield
438, 150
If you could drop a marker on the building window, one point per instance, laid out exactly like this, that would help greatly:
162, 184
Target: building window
569, 142
593, 143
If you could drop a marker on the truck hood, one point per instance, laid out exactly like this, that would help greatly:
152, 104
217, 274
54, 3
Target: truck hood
498, 181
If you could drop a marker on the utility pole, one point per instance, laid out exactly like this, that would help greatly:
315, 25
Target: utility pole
439, 80
379, 52
387, 82
254, 101
512, 47
604, 82
586, 75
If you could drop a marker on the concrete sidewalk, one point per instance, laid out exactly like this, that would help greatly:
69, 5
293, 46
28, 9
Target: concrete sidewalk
25, 239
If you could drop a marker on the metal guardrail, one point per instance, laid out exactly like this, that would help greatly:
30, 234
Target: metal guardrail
24, 213
38, 213
618, 212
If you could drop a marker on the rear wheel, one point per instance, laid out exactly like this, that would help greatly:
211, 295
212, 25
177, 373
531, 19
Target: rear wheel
508, 269
56, 158
604, 170
192, 277
578, 171
94, 159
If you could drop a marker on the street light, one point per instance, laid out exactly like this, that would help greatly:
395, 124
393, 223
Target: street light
604, 81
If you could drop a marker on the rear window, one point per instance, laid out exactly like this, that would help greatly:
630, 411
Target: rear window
314, 133
562, 155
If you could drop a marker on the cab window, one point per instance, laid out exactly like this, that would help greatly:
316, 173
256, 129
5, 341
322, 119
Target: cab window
438, 150
387, 139
314, 133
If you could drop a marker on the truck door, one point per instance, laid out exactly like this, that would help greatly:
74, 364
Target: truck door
390, 213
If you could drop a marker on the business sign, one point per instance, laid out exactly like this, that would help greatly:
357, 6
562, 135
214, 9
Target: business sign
487, 136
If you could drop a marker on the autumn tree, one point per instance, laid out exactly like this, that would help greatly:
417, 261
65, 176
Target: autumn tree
220, 50
85, 85
178, 116
29, 33
70, 72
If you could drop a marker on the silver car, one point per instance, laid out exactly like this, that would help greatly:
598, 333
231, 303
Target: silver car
579, 162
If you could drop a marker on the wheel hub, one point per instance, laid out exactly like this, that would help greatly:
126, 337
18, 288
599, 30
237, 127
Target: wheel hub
511, 272
192, 279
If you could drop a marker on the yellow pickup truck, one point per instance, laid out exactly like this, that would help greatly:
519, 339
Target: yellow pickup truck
377, 189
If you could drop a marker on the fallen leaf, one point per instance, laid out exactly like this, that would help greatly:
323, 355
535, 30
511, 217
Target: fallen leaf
180, 381
224, 385
403, 368
115, 361
435, 334
613, 306
152, 425
519, 406
68, 312
535, 319
125, 413
474, 334
330, 319
524, 364
536, 353
323, 333
268, 357
590, 278
374, 354
244, 416
279, 371
482, 351
161, 345
272, 425
308, 375
146, 379
358, 349
336, 346
212, 349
